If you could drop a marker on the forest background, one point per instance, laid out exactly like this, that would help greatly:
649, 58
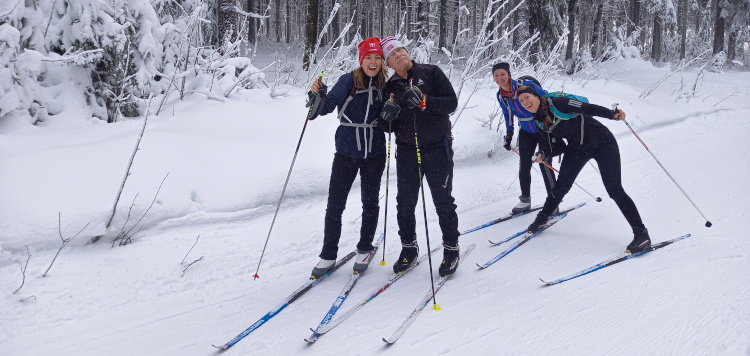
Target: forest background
117, 54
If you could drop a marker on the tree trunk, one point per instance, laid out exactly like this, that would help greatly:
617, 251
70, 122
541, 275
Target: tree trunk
595, 30
288, 36
521, 34
335, 26
382, 19
656, 43
635, 17
684, 6
251, 21
456, 9
277, 18
572, 8
443, 9
227, 21
311, 34
423, 20
718, 28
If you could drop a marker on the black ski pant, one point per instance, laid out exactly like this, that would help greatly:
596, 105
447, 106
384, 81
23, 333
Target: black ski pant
607, 157
527, 144
437, 167
343, 173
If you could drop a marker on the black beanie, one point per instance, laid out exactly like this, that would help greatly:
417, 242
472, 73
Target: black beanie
501, 65
530, 89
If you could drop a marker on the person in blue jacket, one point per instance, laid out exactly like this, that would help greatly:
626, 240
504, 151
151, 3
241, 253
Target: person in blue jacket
360, 148
528, 140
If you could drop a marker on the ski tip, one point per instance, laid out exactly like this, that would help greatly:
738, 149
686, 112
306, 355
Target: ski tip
545, 282
221, 347
708, 223
387, 342
480, 266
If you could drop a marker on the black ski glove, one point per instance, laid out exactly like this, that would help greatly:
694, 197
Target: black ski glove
414, 98
390, 111
508, 140
316, 101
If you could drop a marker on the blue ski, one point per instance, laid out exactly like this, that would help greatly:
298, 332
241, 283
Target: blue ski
289, 300
342, 297
499, 220
523, 232
525, 237
612, 261
394, 277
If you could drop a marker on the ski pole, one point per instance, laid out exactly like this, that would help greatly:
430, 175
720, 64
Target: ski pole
424, 204
708, 223
283, 190
598, 199
387, 183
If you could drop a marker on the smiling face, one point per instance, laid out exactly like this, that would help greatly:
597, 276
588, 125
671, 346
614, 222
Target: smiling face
502, 78
529, 102
371, 64
399, 59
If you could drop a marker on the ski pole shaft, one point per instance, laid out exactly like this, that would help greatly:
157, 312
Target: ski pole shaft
598, 199
424, 204
708, 223
283, 190
387, 183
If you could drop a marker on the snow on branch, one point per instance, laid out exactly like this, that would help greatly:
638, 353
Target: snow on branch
250, 14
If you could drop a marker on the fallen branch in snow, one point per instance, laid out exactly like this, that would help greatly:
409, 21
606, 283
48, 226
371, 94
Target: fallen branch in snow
127, 172
23, 270
669, 73
736, 90
64, 242
196, 242
191, 263
125, 237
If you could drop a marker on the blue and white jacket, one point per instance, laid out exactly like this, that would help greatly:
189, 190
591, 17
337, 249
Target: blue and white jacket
526, 121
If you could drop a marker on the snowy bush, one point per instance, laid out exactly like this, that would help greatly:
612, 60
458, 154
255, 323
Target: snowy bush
19, 75
621, 47
716, 63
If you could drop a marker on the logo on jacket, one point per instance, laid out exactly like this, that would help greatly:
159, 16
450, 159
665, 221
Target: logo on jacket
420, 81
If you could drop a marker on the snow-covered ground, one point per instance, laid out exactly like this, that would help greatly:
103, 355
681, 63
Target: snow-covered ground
225, 164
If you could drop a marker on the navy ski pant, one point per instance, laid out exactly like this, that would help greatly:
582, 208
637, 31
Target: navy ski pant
437, 167
527, 144
343, 173
607, 157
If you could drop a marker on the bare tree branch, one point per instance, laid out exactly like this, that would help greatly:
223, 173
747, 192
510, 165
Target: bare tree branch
196, 242
64, 242
23, 270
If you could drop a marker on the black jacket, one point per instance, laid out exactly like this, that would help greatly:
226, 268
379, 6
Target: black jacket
434, 122
595, 134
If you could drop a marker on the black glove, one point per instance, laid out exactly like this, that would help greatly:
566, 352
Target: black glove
508, 140
390, 111
316, 101
414, 98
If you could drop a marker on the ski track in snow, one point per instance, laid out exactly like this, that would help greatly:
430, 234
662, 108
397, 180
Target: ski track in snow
689, 298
